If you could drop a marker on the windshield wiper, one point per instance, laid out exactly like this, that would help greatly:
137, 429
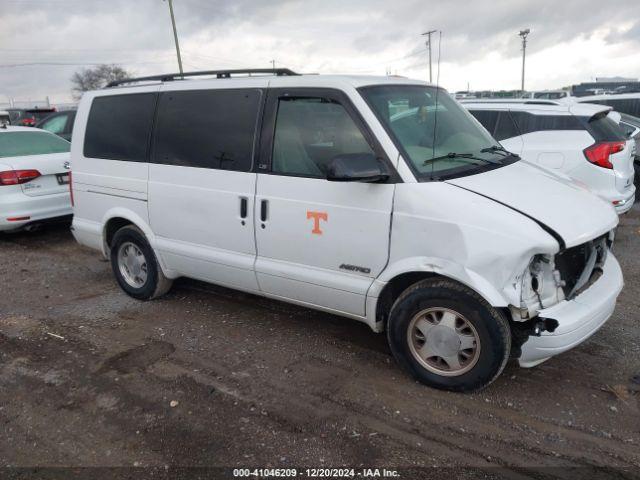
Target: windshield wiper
499, 149
459, 155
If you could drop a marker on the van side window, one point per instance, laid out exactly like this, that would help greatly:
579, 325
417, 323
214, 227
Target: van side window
207, 129
119, 126
505, 127
310, 132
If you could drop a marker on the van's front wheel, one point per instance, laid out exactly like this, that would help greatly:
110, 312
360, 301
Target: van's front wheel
135, 265
447, 336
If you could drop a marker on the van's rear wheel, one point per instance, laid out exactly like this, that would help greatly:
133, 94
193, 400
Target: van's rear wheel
447, 336
135, 265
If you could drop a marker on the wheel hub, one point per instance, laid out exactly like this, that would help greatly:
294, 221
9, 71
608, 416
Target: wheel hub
132, 265
443, 341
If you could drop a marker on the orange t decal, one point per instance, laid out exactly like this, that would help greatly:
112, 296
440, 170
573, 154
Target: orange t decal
317, 216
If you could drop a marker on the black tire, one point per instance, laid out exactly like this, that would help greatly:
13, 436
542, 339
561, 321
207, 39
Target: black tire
491, 330
156, 283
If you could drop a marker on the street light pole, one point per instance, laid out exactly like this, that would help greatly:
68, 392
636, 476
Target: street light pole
428, 35
175, 35
523, 34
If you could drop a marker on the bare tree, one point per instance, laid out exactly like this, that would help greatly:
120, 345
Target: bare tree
96, 78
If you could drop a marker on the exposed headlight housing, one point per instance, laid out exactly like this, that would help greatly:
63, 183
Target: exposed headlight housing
541, 286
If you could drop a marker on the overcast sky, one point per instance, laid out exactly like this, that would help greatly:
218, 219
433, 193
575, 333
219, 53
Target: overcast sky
570, 41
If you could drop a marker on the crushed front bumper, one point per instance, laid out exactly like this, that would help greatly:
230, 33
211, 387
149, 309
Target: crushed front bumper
578, 319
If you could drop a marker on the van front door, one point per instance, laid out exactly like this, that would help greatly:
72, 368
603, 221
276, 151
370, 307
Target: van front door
319, 242
201, 187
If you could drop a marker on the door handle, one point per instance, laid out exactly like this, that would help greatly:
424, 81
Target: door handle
264, 210
243, 207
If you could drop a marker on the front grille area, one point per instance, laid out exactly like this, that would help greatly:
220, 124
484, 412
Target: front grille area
581, 266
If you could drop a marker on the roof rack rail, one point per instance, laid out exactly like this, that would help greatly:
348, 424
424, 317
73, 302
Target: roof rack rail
542, 102
169, 77
524, 101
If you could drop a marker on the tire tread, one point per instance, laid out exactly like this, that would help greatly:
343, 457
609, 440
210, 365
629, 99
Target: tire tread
444, 283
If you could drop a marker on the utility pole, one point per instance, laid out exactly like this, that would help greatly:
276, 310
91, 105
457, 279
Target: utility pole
428, 43
273, 65
175, 35
523, 34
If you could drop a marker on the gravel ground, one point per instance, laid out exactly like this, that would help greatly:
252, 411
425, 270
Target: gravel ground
211, 377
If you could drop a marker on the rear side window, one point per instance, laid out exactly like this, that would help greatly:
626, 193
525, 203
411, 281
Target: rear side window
488, 119
207, 129
499, 124
604, 129
505, 128
40, 114
119, 127
529, 123
15, 115
628, 129
56, 124
21, 144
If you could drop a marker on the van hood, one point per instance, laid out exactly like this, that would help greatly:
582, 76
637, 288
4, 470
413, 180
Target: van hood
568, 211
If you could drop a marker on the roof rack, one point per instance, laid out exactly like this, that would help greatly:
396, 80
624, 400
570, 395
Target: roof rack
169, 77
496, 101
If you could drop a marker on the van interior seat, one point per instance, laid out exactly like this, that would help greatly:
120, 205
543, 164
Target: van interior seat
289, 153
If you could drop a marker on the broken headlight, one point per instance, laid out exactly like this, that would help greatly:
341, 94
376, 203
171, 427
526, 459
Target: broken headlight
541, 286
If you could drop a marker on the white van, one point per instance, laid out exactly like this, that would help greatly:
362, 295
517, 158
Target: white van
374, 198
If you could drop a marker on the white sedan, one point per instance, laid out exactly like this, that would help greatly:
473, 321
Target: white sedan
34, 178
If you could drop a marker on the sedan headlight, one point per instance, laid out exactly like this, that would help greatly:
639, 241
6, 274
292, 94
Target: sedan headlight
541, 286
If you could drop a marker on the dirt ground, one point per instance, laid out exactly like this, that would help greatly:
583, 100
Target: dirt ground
211, 377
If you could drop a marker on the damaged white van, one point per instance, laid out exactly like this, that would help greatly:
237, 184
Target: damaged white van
374, 198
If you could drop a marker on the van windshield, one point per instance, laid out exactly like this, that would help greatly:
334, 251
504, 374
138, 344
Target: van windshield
438, 137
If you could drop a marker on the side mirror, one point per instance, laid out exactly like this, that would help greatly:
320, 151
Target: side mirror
357, 167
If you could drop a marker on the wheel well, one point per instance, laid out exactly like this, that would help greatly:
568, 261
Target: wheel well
394, 289
113, 225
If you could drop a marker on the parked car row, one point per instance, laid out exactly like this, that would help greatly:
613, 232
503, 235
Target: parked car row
60, 123
28, 117
379, 199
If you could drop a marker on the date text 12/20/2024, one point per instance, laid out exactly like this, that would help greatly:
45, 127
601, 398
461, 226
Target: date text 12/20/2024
315, 473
